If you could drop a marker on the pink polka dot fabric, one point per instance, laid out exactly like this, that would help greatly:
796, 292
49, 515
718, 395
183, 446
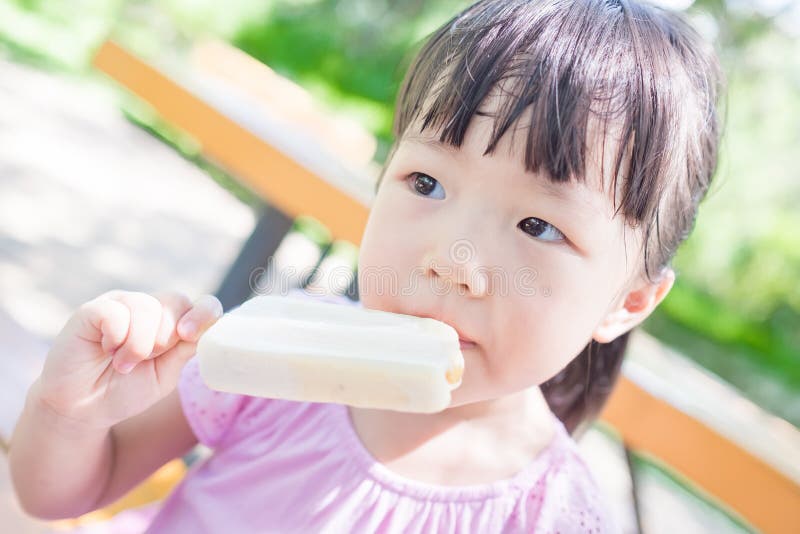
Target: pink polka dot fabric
211, 413
284, 466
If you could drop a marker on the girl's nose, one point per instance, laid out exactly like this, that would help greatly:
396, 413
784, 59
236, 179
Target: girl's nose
458, 267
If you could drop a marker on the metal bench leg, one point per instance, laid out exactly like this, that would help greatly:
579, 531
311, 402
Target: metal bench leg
270, 229
352, 289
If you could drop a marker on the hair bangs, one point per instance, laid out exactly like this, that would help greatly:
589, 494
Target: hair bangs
581, 77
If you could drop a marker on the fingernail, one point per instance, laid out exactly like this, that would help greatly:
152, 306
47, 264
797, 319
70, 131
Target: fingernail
126, 368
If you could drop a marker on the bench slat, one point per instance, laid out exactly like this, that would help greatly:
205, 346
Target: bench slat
277, 178
763, 496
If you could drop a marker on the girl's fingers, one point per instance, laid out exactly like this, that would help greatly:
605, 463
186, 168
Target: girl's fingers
168, 366
205, 312
133, 326
174, 306
145, 312
105, 321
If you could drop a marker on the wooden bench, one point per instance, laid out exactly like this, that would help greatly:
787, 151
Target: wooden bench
755, 476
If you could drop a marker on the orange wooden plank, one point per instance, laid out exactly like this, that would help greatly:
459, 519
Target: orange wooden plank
352, 144
763, 496
277, 178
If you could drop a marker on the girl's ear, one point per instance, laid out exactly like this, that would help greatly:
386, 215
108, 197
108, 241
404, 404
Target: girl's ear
640, 302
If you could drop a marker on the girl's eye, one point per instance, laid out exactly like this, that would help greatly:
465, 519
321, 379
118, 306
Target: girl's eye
541, 229
425, 185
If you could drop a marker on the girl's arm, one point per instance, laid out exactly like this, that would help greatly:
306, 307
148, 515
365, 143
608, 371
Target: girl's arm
62, 468
58, 467
146, 442
105, 412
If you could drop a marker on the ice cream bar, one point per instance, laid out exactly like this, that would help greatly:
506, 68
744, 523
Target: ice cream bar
310, 350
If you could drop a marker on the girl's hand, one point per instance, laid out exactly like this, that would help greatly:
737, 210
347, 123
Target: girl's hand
121, 353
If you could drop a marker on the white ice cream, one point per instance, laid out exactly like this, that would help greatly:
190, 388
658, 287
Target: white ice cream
307, 350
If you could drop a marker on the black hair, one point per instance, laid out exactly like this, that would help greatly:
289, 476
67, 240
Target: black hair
638, 70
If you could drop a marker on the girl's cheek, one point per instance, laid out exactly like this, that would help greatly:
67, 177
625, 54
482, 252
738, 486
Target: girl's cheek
534, 335
406, 205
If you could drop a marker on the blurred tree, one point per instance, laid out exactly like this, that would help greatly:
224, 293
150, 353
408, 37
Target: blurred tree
357, 49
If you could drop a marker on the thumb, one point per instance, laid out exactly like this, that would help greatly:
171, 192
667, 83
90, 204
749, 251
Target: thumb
203, 314
168, 366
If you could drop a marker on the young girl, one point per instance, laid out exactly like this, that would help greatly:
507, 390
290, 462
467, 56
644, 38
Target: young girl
549, 160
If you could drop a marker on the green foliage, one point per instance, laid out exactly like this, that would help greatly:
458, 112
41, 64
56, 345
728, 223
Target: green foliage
357, 49
57, 34
738, 272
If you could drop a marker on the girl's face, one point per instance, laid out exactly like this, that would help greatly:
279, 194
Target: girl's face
526, 269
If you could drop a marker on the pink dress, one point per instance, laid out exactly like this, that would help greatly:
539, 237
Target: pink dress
285, 466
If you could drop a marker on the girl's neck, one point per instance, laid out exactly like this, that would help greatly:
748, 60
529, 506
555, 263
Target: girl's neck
519, 422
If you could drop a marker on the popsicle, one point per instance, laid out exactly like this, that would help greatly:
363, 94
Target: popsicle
309, 350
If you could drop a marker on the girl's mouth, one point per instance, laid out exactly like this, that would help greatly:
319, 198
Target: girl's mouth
466, 344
